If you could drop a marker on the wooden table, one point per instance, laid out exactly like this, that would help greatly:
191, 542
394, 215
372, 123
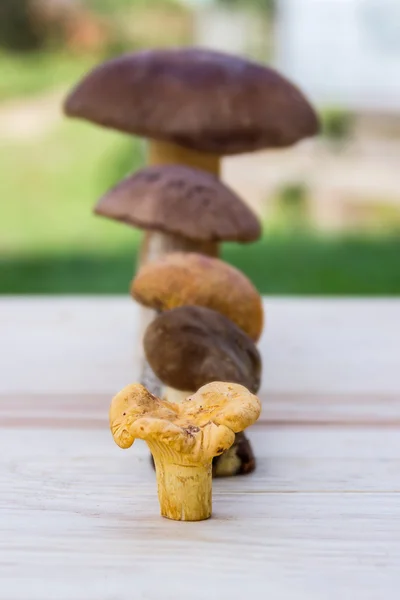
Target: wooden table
319, 519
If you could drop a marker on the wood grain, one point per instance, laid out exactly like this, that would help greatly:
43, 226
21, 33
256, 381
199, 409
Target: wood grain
89, 411
309, 346
319, 519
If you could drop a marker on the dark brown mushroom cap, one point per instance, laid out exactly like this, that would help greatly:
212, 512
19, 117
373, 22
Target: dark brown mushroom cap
197, 98
183, 201
191, 346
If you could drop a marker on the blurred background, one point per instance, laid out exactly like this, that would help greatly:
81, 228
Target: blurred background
330, 206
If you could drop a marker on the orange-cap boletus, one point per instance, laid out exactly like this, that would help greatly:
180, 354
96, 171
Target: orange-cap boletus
179, 279
183, 439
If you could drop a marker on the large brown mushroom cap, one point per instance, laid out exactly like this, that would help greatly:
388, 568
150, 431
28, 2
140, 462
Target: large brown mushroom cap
182, 201
200, 99
191, 346
180, 278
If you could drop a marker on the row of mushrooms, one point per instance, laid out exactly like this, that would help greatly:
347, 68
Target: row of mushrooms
201, 318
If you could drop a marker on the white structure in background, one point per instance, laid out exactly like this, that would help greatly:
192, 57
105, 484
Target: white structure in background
222, 29
342, 52
233, 29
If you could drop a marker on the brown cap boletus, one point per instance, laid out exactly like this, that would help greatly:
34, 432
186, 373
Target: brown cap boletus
179, 279
191, 346
183, 439
194, 104
181, 208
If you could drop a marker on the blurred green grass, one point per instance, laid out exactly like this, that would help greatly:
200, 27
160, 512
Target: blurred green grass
117, 6
28, 74
51, 183
51, 243
276, 265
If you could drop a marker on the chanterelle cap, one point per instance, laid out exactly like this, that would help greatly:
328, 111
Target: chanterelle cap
200, 99
181, 200
182, 278
191, 346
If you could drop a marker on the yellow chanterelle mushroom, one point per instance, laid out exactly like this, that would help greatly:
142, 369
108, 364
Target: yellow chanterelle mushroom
183, 439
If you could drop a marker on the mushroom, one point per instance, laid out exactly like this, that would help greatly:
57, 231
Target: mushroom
180, 208
194, 105
179, 279
183, 439
191, 346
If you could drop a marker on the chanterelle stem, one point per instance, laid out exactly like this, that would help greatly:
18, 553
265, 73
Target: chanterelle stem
184, 490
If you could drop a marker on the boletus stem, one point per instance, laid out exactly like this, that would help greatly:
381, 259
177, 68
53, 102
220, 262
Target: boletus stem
147, 376
149, 379
165, 153
156, 243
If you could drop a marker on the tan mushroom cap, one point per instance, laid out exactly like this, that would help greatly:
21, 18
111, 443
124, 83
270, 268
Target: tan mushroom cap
179, 279
131, 404
227, 404
183, 201
200, 99
203, 426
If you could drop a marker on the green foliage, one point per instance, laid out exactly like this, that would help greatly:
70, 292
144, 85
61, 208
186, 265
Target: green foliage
311, 264
127, 156
19, 27
292, 195
268, 6
337, 124
55, 181
113, 6
26, 74
291, 207
284, 264
50, 242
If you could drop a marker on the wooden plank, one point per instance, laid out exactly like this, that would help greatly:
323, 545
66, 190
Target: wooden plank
288, 546
82, 519
310, 346
90, 411
319, 519
300, 460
